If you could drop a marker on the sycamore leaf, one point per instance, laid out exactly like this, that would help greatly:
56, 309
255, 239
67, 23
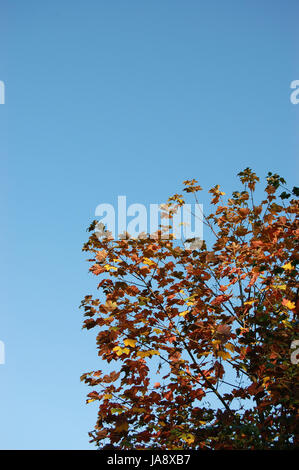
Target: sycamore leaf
149, 262
230, 346
148, 353
109, 268
287, 303
130, 342
101, 255
119, 351
157, 330
189, 438
288, 266
224, 355
116, 410
183, 314
110, 306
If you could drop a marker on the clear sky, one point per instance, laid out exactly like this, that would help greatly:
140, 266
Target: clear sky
108, 98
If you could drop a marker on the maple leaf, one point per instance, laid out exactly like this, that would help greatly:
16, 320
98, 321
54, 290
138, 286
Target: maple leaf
110, 306
287, 303
130, 342
288, 266
101, 255
224, 355
97, 269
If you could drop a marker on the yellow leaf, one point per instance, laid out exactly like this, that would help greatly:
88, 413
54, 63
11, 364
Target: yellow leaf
290, 305
157, 330
149, 262
108, 267
189, 438
116, 410
183, 314
110, 306
119, 351
288, 266
130, 342
91, 400
152, 352
224, 355
230, 346
142, 353
107, 396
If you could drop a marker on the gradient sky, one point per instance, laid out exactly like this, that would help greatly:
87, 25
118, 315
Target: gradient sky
108, 98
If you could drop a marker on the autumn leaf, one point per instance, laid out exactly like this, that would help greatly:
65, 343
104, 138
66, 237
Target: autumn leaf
287, 303
130, 342
149, 262
97, 269
110, 306
148, 353
107, 396
184, 313
119, 351
101, 255
122, 427
188, 438
108, 267
230, 347
288, 266
224, 355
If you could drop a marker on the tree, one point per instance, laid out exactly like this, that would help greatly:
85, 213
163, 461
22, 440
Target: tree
198, 341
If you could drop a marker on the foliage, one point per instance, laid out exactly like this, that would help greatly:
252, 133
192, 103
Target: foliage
198, 341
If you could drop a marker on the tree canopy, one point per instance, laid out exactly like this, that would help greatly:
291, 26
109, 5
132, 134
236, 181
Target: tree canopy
197, 339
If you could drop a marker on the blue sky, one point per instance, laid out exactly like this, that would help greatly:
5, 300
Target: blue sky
108, 98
